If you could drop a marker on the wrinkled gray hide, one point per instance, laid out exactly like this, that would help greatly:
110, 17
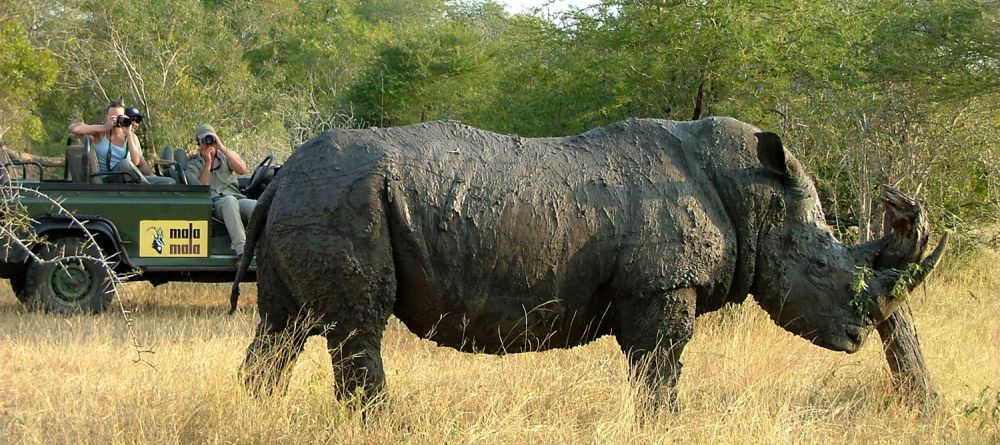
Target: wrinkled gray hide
500, 244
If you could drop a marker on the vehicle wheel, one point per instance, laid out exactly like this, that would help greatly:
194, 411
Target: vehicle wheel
17, 284
74, 282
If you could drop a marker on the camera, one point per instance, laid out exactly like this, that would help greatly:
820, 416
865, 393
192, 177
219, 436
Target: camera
208, 139
123, 121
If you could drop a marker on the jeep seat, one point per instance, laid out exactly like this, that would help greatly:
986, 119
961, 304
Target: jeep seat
186, 176
81, 164
166, 166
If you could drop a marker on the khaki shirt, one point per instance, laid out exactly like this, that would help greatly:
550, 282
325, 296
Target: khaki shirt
222, 180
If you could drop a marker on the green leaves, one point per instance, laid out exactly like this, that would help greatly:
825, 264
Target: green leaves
26, 74
900, 289
862, 297
901, 91
861, 300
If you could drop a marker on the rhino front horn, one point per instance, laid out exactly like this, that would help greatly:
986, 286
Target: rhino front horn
890, 288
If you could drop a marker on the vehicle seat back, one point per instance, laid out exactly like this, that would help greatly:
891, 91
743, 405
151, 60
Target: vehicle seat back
81, 163
188, 177
167, 166
74, 163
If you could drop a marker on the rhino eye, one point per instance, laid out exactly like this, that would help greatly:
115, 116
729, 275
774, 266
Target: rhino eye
819, 266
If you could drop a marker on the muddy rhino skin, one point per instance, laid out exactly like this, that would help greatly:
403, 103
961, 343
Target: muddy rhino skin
500, 244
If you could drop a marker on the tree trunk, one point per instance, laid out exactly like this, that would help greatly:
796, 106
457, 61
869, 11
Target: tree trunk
910, 376
699, 98
907, 221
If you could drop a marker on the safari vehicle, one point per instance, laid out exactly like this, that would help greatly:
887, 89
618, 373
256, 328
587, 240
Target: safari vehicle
155, 233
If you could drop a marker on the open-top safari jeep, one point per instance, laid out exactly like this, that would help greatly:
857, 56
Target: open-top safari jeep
155, 233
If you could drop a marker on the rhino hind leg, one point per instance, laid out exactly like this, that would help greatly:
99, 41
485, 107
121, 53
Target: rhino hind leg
350, 280
279, 338
354, 336
652, 331
270, 355
357, 366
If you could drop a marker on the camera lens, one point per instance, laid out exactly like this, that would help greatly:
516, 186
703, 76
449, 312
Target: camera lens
123, 121
208, 140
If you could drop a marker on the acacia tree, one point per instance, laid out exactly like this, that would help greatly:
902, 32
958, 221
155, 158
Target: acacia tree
173, 60
900, 92
868, 93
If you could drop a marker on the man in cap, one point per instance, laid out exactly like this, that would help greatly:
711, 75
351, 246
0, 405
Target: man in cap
217, 166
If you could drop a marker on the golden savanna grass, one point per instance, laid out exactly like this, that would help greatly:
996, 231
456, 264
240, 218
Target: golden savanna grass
73, 380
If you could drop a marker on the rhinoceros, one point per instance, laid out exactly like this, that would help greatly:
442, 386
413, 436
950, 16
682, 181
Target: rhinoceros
499, 244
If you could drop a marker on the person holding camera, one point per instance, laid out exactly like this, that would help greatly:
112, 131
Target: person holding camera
117, 147
136, 117
217, 166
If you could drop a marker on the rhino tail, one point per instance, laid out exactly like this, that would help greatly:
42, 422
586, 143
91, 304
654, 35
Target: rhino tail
258, 219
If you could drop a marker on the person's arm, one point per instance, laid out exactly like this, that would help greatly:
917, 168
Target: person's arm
234, 160
135, 153
144, 166
82, 129
206, 170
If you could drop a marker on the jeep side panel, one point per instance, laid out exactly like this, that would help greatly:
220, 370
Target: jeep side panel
160, 227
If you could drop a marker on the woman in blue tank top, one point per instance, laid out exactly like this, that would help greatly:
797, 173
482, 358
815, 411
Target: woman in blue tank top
117, 148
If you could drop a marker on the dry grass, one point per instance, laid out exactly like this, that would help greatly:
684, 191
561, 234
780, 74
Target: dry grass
72, 380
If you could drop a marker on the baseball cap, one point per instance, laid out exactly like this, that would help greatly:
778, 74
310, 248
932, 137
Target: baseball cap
204, 130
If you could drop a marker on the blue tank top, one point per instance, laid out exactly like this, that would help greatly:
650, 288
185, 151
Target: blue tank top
106, 160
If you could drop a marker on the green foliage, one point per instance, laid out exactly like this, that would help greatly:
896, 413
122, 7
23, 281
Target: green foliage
861, 299
434, 76
900, 289
26, 73
985, 408
901, 92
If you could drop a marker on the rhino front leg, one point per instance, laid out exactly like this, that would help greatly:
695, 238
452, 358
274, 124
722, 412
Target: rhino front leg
653, 330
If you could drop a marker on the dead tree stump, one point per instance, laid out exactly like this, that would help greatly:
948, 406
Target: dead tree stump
906, 219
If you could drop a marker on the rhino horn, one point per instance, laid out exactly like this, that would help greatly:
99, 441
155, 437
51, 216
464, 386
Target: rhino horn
890, 288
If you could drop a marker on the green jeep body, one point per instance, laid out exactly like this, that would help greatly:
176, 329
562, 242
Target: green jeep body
155, 233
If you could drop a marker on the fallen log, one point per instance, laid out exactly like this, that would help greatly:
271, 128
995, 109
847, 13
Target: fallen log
49, 162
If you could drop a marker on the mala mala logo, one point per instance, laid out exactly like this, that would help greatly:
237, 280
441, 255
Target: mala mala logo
163, 238
190, 235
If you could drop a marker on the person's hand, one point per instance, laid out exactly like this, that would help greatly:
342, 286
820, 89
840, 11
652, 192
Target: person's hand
110, 122
208, 154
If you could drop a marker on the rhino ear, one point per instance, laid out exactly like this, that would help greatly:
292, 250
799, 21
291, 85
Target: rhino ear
771, 153
774, 157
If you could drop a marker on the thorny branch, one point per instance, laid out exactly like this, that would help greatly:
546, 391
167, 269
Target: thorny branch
17, 233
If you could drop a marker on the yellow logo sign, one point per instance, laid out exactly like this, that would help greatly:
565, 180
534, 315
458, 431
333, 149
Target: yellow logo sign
173, 238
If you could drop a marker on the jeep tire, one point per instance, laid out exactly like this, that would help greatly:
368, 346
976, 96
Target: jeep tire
17, 284
75, 281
